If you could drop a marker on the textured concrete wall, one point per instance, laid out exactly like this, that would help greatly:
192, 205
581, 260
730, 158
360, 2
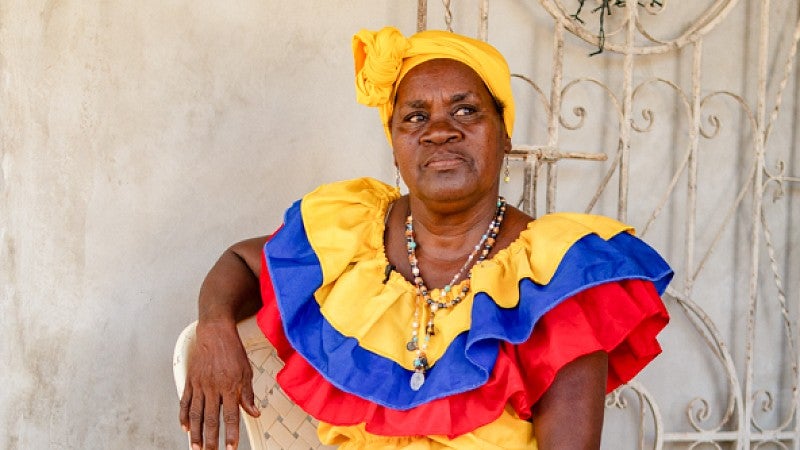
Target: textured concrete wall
139, 139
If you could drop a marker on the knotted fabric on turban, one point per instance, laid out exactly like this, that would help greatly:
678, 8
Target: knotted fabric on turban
384, 57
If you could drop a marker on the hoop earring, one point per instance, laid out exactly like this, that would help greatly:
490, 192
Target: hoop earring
506, 174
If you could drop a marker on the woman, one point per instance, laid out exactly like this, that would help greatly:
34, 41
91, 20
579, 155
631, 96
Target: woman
444, 318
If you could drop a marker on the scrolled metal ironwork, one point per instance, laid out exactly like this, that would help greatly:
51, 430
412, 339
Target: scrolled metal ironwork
714, 121
647, 403
615, 399
580, 111
702, 443
699, 410
706, 328
540, 93
774, 442
647, 113
698, 28
767, 405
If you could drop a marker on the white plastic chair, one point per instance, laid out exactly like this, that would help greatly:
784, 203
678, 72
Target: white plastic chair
282, 424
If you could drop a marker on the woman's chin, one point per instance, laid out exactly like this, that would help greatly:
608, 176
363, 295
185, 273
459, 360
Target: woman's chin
450, 187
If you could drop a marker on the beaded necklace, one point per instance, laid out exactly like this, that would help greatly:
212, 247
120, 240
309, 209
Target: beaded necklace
423, 297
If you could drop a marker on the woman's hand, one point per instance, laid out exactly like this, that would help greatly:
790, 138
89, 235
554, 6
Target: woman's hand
218, 375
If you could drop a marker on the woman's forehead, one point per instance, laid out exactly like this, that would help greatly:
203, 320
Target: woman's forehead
441, 75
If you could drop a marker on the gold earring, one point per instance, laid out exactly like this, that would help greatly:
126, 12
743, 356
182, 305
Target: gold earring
397, 177
507, 175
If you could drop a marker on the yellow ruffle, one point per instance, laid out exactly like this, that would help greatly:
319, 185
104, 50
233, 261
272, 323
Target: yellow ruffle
344, 223
508, 432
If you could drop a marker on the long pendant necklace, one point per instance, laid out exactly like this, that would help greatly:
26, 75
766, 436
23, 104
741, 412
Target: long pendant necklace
446, 297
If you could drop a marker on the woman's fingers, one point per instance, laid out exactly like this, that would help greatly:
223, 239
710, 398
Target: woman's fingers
186, 401
248, 400
210, 424
196, 411
200, 411
230, 416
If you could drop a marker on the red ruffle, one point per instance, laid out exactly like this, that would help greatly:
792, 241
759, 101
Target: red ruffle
619, 318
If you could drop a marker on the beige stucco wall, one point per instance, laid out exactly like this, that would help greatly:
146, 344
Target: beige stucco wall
139, 139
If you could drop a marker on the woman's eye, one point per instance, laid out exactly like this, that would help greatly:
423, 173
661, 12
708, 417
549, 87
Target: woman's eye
415, 117
465, 111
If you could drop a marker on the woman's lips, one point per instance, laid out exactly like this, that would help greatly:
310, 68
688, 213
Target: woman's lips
444, 162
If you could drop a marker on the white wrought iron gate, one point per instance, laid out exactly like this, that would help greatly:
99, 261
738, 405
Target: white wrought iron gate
716, 189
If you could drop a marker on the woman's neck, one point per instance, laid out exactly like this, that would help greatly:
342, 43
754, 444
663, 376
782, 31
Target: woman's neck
444, 240
450, 235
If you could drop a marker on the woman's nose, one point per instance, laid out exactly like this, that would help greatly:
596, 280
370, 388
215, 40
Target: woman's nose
440, 131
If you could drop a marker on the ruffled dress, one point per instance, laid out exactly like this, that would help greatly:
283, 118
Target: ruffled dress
568, 286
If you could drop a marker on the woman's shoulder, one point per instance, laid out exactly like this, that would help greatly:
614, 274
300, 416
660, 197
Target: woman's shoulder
570, 240
571, 222
559, 230
562, 230
363, 190
516, 223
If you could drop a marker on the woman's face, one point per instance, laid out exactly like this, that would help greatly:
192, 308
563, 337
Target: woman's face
447, 135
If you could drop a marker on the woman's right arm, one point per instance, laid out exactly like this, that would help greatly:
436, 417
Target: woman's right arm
218, 372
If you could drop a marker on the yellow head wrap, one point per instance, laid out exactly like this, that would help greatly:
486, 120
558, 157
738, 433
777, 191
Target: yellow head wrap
384, 57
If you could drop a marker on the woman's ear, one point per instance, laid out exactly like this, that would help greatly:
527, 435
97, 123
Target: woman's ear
507, 145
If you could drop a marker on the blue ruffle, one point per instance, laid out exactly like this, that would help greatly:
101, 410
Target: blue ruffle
467, 363
589, 262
